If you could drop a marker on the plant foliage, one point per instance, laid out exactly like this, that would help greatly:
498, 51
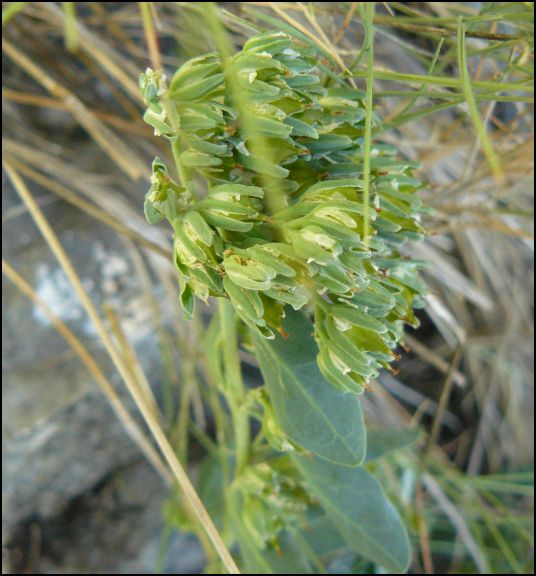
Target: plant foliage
269, 213
312, 250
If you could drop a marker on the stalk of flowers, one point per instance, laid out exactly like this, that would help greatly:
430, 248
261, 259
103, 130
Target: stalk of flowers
310, 252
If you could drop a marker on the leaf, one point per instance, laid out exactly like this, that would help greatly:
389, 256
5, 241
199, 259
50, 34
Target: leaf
300, 128
322, 536
238, 190
199, 159
330, 143
358, 318
381, 442
270, 42
343, 347
198, 228
295, 298
247, 303
312, 413
335, 184
266, 257
342, 380
197, 89
194, 70
221, 221
272, 128
355, 502
289, 558
152, 215
248, 273
263, 166
187, 298
209, 148
227, 208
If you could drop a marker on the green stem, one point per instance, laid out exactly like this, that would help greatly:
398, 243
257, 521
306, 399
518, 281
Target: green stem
235, 383
182, 171
174, 118
369, 42
70, 30
480, 126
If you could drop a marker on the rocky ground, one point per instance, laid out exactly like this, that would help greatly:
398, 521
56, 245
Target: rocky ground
76, 496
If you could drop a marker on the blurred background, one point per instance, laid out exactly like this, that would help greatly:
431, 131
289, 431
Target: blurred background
78, 496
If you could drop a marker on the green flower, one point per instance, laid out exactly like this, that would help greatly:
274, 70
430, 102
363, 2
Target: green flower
311, 251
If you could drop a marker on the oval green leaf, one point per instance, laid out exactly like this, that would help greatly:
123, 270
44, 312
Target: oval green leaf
313, 414
356, 504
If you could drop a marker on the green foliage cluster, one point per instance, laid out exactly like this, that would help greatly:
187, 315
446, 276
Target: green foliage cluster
270, 215
283, 221
270, 208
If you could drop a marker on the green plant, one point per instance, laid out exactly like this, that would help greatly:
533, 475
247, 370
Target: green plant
454, 84
271, 214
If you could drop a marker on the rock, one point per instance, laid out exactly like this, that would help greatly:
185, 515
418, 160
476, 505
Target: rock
60, 438
116, 528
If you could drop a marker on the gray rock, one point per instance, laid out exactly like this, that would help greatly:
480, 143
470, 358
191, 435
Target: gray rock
59, 436
115, 529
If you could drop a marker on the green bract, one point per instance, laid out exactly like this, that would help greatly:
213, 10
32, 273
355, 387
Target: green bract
291, 137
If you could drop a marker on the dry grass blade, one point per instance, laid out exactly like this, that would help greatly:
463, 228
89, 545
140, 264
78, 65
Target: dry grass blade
137, 129
326, 42
150, 35
154, 425
99, 51
115, 148
443, 400
132, 362
93, 211
346, 23
434, 359
131, 426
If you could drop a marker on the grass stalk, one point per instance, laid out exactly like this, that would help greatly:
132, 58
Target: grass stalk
479, 125
131, 361
150, 35
69, 26
369, 103
490, 85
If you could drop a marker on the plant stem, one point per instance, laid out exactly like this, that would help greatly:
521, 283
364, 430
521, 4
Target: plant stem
480, 127
69, 26
369, 43
235, 383
184, 175
176, 146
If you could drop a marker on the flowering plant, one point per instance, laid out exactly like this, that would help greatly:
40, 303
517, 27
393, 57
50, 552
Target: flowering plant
270, 211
